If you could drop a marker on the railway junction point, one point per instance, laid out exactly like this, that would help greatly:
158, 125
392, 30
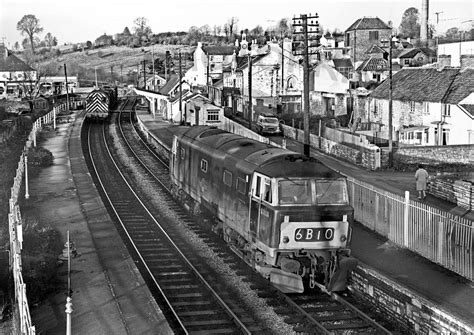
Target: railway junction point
451, 292
109, 295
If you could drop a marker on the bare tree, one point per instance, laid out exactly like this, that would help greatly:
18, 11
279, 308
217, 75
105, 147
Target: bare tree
29, 25
232, 24
141, 27
50, 40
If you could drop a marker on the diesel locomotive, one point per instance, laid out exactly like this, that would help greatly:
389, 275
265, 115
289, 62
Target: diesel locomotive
99, 102
286, 214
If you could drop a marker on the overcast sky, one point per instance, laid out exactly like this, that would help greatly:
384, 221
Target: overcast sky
82, 20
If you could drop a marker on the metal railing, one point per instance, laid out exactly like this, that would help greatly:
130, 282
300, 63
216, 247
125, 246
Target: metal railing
439, 236
16, 226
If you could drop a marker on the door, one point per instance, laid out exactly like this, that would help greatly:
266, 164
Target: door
255, 203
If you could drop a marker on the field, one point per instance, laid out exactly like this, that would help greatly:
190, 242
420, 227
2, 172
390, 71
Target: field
119, 63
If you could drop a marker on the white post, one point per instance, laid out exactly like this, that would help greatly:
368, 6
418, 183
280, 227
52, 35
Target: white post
27, 195
68, 299
34, 134
54, 117
405, 218
68, 315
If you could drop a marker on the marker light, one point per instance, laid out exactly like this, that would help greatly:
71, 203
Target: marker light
286, 239
343, 238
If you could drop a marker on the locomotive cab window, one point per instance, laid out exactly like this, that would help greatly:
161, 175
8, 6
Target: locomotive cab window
182, 153
295, 191
267, 190
331, 191
204, 165
227, 178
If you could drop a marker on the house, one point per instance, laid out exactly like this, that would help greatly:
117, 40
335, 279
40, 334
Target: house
344, 66
329, 92
431, 106
55, 85
415, 57
362, 34
199, 110
276, 77
153, 82
372, 71
208, 64
16, 77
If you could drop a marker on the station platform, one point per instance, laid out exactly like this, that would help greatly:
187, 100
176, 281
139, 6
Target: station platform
109, 296
452, 293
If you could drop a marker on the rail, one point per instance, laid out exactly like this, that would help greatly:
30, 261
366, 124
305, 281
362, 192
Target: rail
15, 226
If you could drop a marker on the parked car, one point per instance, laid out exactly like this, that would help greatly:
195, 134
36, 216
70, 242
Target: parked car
268, 123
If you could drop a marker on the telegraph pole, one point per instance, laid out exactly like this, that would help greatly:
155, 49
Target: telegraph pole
390, 105
144, 75
180, 90
67, 88
302, 30
250, 90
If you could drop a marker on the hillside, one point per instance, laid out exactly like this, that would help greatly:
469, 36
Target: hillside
122, 61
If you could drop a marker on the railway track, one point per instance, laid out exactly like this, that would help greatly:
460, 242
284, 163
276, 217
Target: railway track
182, 278
317, 311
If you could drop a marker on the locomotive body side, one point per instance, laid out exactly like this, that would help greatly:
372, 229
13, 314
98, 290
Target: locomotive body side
252, 189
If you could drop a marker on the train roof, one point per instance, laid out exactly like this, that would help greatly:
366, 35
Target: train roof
256, 156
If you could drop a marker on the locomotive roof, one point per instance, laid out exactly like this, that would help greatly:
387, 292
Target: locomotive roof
256, 156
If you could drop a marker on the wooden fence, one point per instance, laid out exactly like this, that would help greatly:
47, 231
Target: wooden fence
439, 236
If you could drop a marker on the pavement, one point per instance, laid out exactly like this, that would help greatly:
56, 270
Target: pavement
451, 292
109, 296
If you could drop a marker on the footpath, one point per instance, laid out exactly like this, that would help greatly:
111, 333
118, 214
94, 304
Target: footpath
443, 288
109, 295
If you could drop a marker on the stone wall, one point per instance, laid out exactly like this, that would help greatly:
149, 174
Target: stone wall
453, 189
407, 309
359, 156
433, 155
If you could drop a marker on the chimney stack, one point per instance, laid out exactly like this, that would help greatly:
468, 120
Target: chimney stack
424, 22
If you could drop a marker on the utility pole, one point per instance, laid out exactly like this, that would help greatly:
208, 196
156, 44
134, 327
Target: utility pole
153, 65
112, 73
96, 84
390, 105
282, 63
250, 89
121, 73
144, 75
180, 90
302, 30
67, 89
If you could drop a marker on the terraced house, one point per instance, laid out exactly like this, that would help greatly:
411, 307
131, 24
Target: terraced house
16, 77
431, 106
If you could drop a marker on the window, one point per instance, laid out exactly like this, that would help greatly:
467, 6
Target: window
295, 192
182, 153
10, 89
227, 178
267, 191
412, 107
1, 89
204, 165
241, 185
256, 191
406, 61
331, 192
213, 115
373, 35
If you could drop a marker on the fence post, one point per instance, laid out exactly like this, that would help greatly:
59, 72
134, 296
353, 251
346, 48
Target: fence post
54, 117
440, 241
405, 218
27, 195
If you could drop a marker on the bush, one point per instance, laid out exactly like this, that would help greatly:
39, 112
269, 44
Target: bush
42, 245
40, 157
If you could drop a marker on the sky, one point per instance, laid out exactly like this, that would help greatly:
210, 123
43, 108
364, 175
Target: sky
81, 20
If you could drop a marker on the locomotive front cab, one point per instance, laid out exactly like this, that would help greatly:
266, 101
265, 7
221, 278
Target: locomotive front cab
302, 226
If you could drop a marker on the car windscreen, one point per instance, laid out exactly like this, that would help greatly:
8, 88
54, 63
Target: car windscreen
271, 120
